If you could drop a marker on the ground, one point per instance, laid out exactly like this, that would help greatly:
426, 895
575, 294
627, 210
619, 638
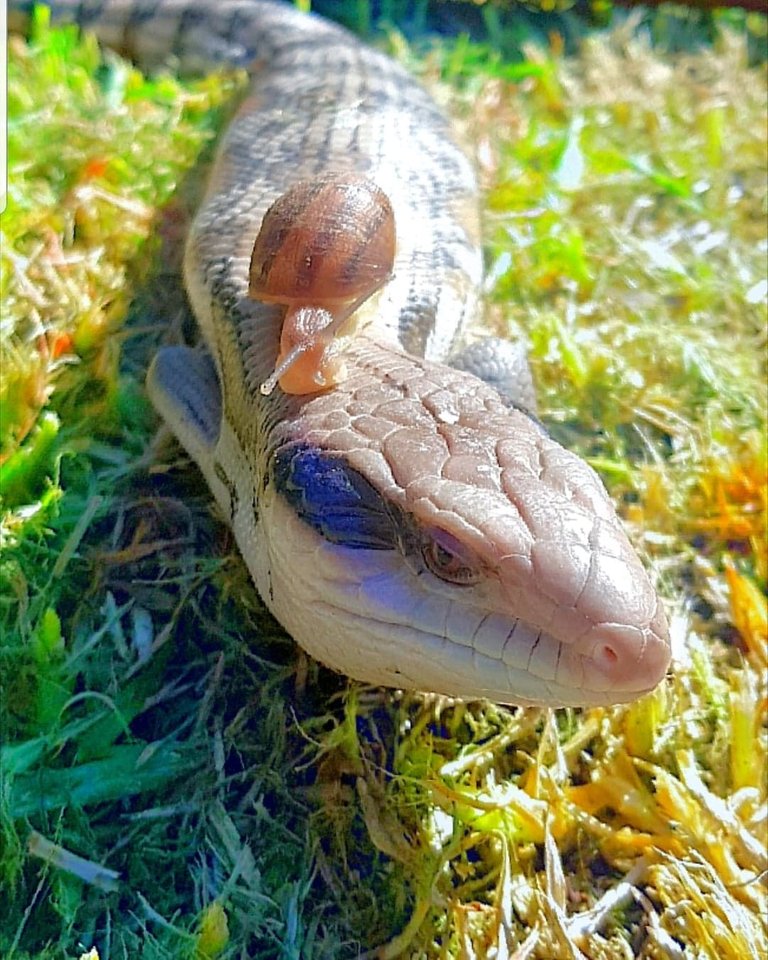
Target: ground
177, 778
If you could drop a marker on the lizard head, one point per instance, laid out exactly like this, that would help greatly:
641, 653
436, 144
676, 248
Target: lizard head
429, 536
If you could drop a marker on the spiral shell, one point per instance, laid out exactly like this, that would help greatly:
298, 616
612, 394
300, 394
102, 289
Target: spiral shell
325, 242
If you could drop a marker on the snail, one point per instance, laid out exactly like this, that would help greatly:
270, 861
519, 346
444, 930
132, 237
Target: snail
324, 247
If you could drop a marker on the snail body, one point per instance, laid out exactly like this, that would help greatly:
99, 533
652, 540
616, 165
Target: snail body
324, 247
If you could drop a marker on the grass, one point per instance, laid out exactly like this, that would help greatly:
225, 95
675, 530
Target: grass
177, 779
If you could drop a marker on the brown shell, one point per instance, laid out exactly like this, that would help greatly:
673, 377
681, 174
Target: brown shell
326, 242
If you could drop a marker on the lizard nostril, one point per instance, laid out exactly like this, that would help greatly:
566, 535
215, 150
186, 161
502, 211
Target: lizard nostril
627, 658
606, 656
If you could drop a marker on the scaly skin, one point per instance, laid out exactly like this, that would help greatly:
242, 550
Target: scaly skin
338, 500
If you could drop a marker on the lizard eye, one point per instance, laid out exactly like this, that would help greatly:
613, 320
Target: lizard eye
449, 559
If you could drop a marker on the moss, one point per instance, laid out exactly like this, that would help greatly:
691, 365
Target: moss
157, 723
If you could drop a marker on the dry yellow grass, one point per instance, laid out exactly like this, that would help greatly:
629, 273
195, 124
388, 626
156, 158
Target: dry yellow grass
222, 794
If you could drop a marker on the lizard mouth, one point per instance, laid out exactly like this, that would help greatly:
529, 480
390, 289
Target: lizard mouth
397, 654
370, 615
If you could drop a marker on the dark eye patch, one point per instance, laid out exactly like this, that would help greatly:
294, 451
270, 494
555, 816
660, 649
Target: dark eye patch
335, 500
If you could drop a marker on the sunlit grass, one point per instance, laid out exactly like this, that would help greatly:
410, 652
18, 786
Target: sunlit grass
177, 780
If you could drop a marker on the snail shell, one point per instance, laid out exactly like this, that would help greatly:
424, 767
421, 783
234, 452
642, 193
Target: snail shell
324, 247
325, 242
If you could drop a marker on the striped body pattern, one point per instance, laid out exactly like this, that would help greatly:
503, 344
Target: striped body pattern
411, 526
